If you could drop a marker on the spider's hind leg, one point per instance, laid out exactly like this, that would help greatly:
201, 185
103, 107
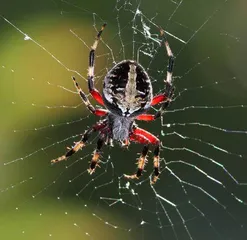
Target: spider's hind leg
94, 92
165, 98
97, 112
170, 55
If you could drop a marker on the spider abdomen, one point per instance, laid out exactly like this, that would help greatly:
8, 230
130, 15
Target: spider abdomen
127, 89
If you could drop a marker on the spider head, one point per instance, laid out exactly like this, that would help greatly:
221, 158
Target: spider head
127, 89
120, 126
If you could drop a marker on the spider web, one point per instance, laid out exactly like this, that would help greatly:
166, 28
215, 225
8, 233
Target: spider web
201, 193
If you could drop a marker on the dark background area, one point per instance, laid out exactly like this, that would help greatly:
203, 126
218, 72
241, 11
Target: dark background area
41, 201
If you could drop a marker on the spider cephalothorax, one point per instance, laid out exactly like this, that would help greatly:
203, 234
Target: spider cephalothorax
119, 127
127, 95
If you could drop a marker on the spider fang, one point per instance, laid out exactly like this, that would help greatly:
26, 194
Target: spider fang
125, 143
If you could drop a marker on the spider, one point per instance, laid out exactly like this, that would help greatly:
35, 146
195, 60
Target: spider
127, 96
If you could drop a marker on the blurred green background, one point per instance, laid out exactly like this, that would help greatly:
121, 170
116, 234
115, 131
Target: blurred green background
37, 200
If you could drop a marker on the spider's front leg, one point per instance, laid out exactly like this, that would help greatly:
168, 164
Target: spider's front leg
79, 145
140, 164
95, 160
144, 137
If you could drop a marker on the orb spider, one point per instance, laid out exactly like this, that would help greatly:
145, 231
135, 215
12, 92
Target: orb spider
127, 95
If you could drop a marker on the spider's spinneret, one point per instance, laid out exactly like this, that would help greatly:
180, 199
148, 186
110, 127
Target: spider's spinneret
127, 89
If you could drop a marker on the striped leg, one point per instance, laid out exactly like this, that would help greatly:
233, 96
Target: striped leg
79, 145
166, 97
94, 92
144, 137
171, 58
140, 164
95, 160
169, 91
97, 112
156, 164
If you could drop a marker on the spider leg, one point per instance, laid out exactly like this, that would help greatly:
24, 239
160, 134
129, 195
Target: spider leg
166, 97
169, 89
97, 112
79, 145
140, 164
165, 105
146, 117
95, 160
144, 137
158, 99
156, 164
169, 92
171, 58
94, 92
